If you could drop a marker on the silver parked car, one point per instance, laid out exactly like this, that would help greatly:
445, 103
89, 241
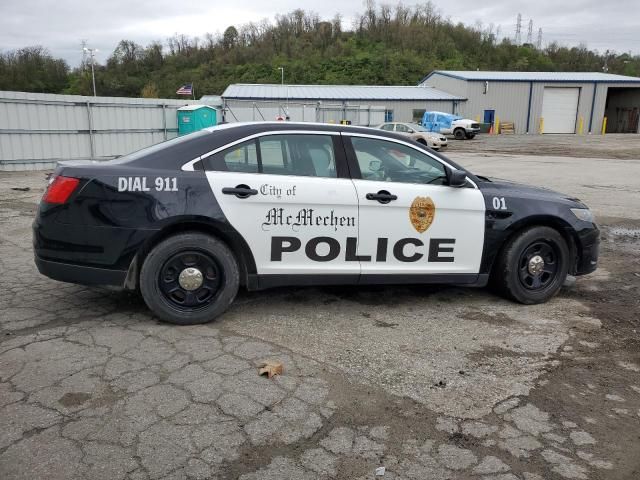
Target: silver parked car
417, 133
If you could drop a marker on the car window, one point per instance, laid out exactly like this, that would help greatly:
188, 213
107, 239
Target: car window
402, 128
388, 127
382, 160
303, 155
239, 158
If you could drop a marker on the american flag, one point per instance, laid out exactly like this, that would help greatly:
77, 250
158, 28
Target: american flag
186, 89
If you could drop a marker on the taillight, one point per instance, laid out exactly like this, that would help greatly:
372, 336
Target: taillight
60, 189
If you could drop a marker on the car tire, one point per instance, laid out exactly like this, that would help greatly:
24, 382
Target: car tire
459, 133
189, 278
515, 274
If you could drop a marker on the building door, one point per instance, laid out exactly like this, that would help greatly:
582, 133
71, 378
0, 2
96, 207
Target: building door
560, 109
489, 116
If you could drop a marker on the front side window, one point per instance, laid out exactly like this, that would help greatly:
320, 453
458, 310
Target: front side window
302, 155
382, 160
402, 128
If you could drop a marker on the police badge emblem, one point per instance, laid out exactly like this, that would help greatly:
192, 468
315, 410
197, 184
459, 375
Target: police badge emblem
421, 213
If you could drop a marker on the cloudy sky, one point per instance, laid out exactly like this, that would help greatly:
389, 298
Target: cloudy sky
60, 25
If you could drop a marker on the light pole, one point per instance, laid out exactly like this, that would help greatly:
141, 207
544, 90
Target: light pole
92, 52
282, 83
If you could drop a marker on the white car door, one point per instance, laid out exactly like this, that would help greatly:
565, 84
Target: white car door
410, 221
282, 192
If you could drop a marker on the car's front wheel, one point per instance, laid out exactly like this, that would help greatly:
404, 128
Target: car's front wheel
533, 266
189, 278
459, 133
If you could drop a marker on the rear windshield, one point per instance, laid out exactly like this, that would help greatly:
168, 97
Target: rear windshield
174, 142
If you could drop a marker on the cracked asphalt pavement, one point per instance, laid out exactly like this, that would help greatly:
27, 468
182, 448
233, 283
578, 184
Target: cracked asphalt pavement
429, 383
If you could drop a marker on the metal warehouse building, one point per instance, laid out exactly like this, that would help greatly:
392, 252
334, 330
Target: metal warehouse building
361, 105
546, 102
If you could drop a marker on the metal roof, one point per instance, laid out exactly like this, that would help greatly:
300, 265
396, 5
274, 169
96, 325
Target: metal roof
575, 77
243, 91
195, 107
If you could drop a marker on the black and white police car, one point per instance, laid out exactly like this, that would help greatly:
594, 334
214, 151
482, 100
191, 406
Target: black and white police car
259, 205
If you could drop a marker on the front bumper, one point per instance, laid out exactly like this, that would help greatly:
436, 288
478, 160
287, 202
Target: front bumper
82, 274
589, 249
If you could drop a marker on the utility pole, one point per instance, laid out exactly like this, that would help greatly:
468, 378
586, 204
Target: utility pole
92, 52
605, 67
539, 42
519, 29
530, 32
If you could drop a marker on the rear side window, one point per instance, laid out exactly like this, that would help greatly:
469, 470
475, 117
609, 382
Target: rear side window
301, 155
239, 158
388, 127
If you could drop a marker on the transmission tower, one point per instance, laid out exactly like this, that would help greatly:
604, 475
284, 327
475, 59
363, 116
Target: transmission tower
539, 42
519, 29
84, 52
498, 30
530, 32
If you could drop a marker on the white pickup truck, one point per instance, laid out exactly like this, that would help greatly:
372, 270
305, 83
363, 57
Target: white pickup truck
449, 124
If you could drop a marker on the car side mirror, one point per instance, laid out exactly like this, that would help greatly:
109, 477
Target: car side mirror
456, 178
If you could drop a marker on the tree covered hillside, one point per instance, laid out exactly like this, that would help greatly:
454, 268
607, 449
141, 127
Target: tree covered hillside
387, 45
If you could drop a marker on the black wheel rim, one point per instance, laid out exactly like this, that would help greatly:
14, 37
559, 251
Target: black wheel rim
532, 274
193, 298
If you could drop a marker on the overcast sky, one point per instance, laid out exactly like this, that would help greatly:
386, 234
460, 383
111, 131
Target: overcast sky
60, 25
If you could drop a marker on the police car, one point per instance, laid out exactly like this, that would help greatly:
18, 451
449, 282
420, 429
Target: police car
190, 221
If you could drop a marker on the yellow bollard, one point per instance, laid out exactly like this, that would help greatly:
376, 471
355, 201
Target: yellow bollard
604, 125
497, 125
580, 125
541, 125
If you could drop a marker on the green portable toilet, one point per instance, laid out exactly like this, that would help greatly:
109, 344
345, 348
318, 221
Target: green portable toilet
192, 118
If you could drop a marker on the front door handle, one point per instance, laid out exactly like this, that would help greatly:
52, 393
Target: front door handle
382, 196
240, 191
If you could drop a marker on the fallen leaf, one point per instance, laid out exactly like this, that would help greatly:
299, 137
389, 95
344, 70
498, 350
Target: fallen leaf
271, 368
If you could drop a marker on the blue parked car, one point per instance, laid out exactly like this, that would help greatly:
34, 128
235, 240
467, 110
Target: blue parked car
450, 124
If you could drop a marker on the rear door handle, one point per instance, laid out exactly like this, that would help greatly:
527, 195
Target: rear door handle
382, 196
240, 191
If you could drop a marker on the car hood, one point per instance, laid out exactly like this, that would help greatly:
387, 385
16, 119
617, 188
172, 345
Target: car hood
521, 190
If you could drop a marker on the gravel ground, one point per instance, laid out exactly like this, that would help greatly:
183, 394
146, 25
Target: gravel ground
431, 383
616, 145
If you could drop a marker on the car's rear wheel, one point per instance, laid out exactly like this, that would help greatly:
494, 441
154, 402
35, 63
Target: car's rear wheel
533, 266
459, 133
189, 278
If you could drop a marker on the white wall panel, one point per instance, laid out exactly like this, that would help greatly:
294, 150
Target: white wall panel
40, 129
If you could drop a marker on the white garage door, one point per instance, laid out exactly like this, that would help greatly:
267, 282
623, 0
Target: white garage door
559, 109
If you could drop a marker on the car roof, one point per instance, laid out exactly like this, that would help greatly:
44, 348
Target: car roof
171, 155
